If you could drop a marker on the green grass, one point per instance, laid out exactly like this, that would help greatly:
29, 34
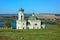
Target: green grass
39, 34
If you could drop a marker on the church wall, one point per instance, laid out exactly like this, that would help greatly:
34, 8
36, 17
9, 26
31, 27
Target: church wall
18, 25
19, 16
21, 24
35, 24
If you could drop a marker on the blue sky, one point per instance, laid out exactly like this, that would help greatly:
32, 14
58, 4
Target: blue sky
29, 6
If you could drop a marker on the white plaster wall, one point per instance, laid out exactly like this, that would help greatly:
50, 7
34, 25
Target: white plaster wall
23, 24
30, 27
33, 22
19, 15
20, 24
16, 25
43, 25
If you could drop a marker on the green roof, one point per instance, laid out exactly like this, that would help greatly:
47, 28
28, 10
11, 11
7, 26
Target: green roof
21, 9
32, 17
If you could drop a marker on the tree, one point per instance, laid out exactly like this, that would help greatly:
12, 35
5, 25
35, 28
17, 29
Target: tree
7, 23
58, 21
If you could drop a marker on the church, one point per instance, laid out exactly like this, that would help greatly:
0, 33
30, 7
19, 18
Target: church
31, 23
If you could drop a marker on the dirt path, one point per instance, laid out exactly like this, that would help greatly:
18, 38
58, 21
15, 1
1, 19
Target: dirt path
5, 38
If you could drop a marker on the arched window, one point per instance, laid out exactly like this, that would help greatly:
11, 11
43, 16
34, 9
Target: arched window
21, 17
28, 23
35, 24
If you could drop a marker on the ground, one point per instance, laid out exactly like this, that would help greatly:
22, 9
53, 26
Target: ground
39, 34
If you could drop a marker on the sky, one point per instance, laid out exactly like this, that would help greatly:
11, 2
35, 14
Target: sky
30, 6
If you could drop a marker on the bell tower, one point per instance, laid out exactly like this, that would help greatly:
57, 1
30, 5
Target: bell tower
21, 14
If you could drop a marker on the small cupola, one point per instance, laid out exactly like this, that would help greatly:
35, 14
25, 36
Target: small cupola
33, 14
32, 17
21, 9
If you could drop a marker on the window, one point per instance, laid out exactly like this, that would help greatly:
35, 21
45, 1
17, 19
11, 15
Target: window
35, 24
21, 17
28, 23
23, 23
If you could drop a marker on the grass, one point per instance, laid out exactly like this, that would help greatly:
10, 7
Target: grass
39, 34
51, 26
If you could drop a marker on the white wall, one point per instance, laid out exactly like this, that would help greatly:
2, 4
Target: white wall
32, 24
20, 24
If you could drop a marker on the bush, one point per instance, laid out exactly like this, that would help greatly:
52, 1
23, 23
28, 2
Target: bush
7, 23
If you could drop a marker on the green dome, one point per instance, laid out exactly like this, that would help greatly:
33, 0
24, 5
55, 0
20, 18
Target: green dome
21, 9
32, 17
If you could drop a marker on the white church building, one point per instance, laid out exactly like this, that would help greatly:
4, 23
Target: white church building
31, 23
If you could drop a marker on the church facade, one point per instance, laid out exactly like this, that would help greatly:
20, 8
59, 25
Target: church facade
31, 23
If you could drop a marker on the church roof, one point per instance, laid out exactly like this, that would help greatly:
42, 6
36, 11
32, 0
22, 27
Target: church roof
33, 17
21, 9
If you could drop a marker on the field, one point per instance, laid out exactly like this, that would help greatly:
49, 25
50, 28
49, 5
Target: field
39, 34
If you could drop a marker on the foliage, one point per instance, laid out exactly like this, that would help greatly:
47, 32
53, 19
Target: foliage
50, 22
58, 21
7, 23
